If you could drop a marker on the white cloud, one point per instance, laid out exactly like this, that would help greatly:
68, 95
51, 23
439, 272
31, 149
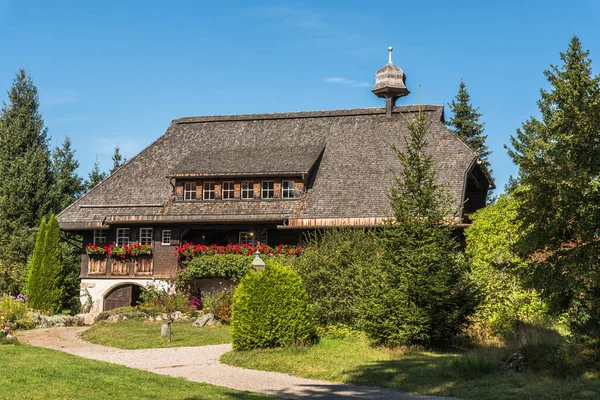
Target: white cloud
345, 81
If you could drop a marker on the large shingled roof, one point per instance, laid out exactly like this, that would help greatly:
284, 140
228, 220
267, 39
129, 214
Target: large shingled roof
354, 166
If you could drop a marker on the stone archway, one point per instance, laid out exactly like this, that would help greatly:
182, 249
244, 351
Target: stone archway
124, 295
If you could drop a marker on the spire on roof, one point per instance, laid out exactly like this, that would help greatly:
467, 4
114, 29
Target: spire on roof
389, 84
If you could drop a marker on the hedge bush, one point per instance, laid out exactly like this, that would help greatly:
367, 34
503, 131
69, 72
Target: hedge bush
334, 267
270, 309
224, 266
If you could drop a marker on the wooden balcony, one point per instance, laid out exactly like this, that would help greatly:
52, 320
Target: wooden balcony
102, 266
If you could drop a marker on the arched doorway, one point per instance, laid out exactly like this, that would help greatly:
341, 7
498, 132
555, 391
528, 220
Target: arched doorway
124, 295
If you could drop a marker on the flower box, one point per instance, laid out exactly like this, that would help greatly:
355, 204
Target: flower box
120, 266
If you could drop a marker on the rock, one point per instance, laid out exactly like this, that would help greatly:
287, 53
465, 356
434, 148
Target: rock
176, 315
89, 319
516, 362
205, 320
113, 318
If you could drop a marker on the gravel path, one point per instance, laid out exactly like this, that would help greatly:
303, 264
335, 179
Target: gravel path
201, 364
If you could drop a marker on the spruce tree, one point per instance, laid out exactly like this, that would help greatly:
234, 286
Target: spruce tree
52, 269
118, 159
25, 171
418, 293
465, 122
34, 287
68, 186
95, 176
559, 205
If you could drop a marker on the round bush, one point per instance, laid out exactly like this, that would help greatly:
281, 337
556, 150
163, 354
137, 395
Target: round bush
270, 309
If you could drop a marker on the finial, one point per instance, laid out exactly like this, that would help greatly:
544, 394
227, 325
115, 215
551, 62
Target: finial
390, 54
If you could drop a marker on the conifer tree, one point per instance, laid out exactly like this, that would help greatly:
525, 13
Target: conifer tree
68, 186
52, 267
465, 122
95, 176
419, 294
25, 171
118, 159
559, 205
34, 287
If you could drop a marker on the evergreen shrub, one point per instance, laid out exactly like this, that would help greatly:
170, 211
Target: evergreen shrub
334, 267
270, 309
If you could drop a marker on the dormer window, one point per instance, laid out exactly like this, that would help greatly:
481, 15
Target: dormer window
247, 191
189, 191
288, 189
208, 193
267, 190
227, 191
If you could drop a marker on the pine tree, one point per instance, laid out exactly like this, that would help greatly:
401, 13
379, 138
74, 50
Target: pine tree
34, 287
25, 171
52, 267
118, 159
465, 121
559, 204
68, 186
418, 293
95, 176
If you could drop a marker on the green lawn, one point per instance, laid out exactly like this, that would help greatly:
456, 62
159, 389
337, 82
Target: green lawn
471, 375
33, 373
146, 335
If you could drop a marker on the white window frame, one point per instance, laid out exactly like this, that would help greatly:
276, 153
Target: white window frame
144, 232
246, 237
122, 236
207, 192
99, 237
247, 193
230, 190
264, 191
288, 192
166, 237
189, 191
264, 237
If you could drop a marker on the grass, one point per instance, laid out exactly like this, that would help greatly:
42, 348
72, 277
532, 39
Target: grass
32, 373
146, 334
476, 374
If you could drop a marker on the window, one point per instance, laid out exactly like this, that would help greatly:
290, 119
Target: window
122, 236
189, 191
247, 190
166, 237
247, 238
263, 237
267, 190
208, 193
287, 190
99, 236
227, 191
146, 235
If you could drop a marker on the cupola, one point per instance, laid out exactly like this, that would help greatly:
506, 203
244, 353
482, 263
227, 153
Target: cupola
389, 84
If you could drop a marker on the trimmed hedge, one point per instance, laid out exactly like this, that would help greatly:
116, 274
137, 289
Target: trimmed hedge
270, 309
224, 266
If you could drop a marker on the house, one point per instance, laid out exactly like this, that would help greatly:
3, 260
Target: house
264, 178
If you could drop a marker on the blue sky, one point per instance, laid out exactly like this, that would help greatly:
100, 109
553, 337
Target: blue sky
113, 72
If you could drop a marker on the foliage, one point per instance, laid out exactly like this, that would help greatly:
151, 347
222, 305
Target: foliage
117, 159
419, 292
219, 302
496, 268
68, 186
26, 178
12, 308
163, 301
126, 250
465, 122
270, 309
334, 267
226, 266
559, 202
95, 176
190, 250
337, 331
